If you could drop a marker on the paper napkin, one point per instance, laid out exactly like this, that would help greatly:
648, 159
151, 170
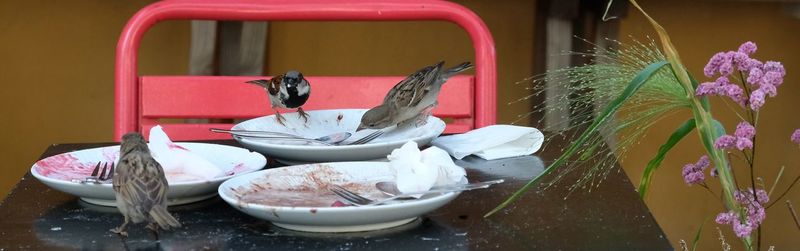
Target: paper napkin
493, 142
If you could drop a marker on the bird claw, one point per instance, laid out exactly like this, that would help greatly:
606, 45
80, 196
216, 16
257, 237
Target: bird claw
153, 227
280, 118
422, 118
120, 231
302, 114
421, 121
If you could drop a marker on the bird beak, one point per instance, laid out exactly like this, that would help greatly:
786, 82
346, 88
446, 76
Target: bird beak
360, 127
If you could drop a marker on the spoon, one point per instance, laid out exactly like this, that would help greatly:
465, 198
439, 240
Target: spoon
331, 139
390, 188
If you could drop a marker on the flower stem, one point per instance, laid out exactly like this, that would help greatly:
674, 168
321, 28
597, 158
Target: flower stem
752, 159
784, 192
794, 214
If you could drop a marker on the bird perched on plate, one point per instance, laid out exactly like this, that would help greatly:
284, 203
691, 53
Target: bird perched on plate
289, 90
140, 187
413, 98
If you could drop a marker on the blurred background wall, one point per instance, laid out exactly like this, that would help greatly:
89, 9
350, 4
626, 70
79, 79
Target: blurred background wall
58, 61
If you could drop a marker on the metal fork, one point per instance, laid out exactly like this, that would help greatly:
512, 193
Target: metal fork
358, 200
368, 138
106, 173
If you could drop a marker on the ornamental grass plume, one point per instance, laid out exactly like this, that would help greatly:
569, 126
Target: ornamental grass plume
605, 77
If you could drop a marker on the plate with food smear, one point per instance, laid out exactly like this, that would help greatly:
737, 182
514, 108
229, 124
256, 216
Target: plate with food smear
193, 170
298, 197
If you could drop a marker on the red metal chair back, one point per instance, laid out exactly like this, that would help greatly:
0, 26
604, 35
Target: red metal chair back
140, 102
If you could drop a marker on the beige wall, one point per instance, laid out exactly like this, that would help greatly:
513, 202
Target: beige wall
699, 29
57, 72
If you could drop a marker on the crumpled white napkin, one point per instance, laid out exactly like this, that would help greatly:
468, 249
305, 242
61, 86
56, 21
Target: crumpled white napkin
493, 142
420, 170
179, 163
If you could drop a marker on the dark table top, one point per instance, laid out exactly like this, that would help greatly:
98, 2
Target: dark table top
611, 217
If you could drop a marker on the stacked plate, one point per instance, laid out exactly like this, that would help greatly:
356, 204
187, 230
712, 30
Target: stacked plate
326, 122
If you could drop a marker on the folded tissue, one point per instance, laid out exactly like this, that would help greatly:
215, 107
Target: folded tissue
418, 171
493, 142
179, 163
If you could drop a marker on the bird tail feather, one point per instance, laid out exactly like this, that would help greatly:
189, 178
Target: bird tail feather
260, 82
456, 69
162, 217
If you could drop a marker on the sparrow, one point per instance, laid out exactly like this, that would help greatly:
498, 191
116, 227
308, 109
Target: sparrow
289, 90
140, 187
412, 99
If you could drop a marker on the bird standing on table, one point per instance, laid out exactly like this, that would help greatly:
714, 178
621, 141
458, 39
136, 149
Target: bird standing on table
289, 90
141, 187
411, 99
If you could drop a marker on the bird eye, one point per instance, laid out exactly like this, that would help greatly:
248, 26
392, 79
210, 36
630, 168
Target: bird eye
372, 125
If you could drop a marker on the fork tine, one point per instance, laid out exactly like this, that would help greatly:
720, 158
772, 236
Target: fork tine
341, 192
356, 198
346, 197
97, 167
368, 138
111, 172
103, 172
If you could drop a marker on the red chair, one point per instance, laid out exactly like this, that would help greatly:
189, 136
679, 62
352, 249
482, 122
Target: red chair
469, 101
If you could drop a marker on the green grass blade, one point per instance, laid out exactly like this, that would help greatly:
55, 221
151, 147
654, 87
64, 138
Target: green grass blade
590, 152
612, 107
697, 235
654, 163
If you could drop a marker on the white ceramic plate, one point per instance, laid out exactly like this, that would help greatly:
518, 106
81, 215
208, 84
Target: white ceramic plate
326, 122
297, 197
58, 172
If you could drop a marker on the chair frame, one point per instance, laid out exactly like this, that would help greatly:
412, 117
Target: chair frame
127, 82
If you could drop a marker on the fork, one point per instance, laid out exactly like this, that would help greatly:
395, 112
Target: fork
106, 173
358, 200
368, 138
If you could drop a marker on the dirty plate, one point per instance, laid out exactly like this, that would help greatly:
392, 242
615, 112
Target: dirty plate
59, 171
326, 122
297, 197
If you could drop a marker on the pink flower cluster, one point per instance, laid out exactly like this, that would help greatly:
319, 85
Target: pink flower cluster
763, 77
796, 136
693, 173
754, 212
741, 139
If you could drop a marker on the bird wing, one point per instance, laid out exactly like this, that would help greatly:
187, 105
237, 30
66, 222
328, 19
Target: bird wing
411, 90
141, 181
275, 85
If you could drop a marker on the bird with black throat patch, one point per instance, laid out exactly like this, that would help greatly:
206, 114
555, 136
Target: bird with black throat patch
287, 91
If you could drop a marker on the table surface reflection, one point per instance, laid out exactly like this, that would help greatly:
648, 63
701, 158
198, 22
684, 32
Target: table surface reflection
611, 217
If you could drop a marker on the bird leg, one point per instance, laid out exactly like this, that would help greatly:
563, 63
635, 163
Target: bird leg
422, 118
302, 114
279, 118
154, 228
121, 229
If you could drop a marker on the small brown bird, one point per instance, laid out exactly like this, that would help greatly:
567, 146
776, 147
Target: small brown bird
411, 99
289, 90
141, 187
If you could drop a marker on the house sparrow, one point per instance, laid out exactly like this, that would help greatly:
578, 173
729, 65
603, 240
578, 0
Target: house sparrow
289, 90
411, 99
140, 187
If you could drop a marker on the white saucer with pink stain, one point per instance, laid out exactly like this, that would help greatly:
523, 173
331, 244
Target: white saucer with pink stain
61, 172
